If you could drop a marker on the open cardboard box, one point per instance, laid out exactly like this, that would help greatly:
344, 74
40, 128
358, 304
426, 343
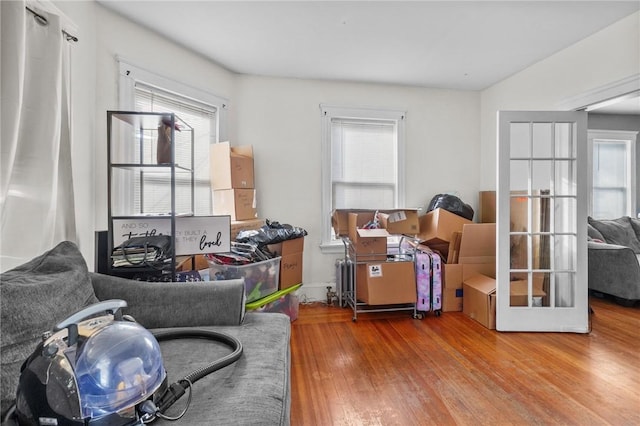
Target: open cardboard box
369, 244
396, 221
476, 254
437, 226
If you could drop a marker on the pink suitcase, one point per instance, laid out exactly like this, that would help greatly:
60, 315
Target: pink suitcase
428, 282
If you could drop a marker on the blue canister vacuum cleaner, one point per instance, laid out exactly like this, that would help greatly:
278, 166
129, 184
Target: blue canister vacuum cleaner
99, 367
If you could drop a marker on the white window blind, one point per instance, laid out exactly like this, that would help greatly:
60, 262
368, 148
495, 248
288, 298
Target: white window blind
362, 162
202, 118
613, 174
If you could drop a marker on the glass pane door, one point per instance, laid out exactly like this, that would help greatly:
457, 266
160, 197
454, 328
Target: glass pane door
541, 271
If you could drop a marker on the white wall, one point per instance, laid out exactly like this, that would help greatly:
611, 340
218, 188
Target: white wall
281, 119
608, 56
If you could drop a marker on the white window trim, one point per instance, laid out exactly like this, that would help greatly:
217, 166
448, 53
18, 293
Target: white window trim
331, 111
616, 136
130, 73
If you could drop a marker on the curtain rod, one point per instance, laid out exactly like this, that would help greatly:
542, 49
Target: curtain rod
42, 20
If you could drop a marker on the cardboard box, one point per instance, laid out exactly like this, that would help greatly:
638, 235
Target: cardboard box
437, 226
386, 283
340, 220
518, 295
400, 222
478, 243
487, 207
231, 167
476, 255
291, 263
451, 288
238, 226
453, 277
399, 219
240, 204
479, 299
370, 245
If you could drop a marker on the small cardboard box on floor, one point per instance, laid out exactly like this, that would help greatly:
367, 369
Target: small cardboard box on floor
291, 252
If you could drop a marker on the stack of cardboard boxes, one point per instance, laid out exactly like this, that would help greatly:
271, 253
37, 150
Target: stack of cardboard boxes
232, 181
470, 251
379, 281
234, 194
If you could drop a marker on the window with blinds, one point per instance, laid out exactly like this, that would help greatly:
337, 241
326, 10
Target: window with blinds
362, 161
202, 119
613, 173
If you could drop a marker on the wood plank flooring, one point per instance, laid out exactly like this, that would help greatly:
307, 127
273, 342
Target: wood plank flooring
390, 369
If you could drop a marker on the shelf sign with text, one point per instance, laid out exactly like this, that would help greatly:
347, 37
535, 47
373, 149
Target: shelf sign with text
194, 234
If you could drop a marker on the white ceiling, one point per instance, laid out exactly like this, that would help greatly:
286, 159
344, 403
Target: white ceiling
467, 45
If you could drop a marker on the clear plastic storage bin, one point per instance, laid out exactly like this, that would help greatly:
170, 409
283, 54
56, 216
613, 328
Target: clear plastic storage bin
284, 301
260, 278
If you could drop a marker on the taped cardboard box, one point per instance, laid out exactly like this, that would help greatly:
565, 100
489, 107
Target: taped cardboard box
386, 283
231, 167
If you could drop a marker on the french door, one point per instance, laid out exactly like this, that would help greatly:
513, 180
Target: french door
542, 187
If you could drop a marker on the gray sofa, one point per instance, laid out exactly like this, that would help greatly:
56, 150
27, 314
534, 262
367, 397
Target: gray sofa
614, 258
253, 391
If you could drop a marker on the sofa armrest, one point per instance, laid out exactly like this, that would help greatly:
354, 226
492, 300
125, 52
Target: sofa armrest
172, 304
614, 270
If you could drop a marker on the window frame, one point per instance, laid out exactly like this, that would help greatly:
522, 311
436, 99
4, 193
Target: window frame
328, 113
130, 74
616, 136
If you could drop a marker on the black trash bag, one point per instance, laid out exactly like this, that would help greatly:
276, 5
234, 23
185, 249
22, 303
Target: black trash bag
271, 233
451, 203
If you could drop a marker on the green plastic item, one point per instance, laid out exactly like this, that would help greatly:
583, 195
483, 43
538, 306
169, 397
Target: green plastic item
271, 298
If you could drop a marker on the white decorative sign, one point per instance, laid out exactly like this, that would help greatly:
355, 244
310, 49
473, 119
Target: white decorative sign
194, 234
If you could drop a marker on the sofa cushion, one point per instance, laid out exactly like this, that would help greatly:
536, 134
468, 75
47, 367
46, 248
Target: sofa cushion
35, 297
255, 390
635, 224
593, 233
617, 231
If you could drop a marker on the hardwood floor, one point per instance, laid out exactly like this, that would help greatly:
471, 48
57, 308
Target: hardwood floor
390, 369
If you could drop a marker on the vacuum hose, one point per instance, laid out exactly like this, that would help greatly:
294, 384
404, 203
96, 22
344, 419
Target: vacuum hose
176, 390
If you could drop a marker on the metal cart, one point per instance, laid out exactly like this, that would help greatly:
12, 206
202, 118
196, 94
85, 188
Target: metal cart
348, 291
